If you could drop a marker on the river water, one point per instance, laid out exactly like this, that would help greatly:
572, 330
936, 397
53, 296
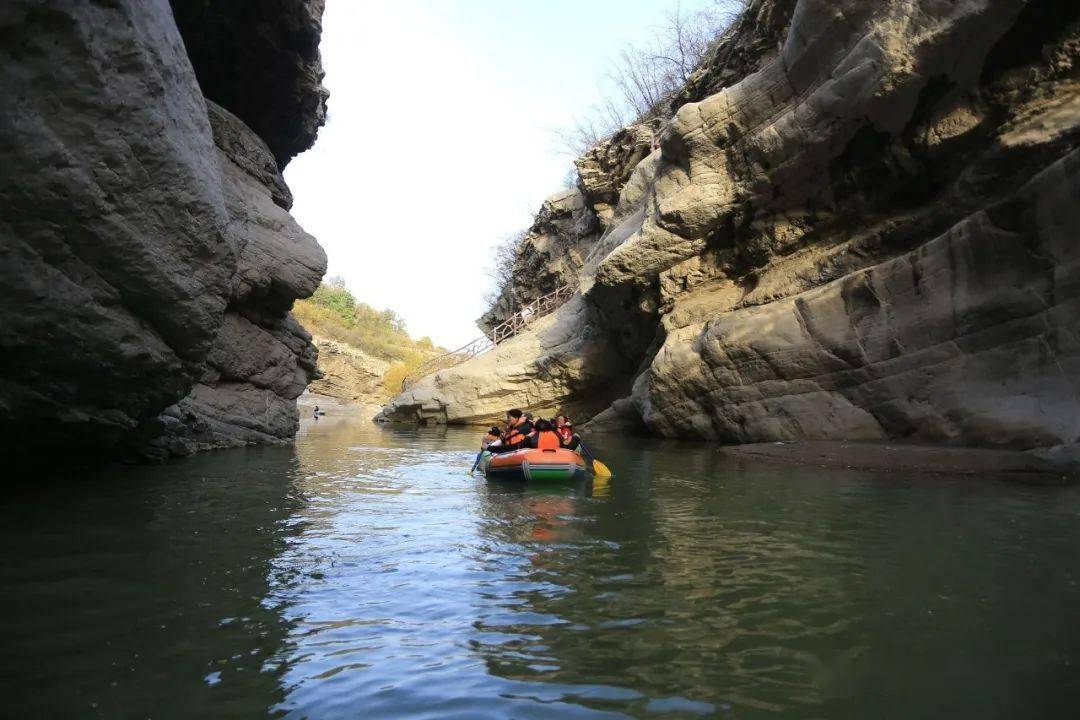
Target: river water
363, 574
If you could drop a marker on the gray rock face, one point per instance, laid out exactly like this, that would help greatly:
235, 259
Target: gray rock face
859, 232
141, 262
550, 255
115, 258
277, 261
260, 60
261, 359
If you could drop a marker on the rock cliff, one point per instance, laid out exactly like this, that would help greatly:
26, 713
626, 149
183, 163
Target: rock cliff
148, 257
348, 373
858, 224
549, 255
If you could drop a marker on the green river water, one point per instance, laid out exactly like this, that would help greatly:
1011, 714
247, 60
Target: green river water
363, 574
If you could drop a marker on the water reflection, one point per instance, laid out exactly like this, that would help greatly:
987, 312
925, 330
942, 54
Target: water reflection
135, 593
366, 574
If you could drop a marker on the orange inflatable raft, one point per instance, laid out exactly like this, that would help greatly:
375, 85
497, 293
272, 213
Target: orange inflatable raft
534, 465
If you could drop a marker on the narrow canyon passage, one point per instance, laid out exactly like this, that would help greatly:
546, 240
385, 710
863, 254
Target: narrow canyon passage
804, 274
363, 573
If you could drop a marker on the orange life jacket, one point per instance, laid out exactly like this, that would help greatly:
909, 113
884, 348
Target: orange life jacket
548, 440
513, 436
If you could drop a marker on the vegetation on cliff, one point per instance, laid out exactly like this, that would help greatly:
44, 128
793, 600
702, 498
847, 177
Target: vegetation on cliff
645, 79
646, 84
334, 313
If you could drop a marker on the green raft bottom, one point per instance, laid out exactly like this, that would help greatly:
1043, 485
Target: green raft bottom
560, 472
541, 473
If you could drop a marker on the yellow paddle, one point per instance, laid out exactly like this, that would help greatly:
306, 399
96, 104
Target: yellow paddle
598, 467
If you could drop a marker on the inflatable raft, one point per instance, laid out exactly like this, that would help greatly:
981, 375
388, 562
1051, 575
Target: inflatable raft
534, 465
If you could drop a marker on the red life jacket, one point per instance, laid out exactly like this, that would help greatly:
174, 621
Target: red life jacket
566, 432
548, 440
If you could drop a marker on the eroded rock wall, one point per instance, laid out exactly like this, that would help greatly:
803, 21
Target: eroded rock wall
262, 359
146, 252
857, 225
971, 339
349, 374
261, 61
549, 255
895, 166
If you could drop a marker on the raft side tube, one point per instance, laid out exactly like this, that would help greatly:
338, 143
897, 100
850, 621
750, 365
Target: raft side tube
535, 465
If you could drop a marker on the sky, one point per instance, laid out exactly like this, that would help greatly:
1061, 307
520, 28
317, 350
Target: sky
439, 139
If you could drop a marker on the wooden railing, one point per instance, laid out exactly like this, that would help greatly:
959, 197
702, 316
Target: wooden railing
517, 322
535, 310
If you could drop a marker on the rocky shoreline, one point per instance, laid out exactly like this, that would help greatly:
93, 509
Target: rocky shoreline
879, 457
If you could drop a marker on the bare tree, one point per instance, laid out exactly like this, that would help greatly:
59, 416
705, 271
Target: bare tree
684, 40
501, 269
643, 77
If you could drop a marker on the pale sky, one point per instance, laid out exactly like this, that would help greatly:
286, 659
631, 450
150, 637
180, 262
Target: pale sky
438, 141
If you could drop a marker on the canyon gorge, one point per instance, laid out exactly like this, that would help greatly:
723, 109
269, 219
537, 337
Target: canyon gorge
855, 221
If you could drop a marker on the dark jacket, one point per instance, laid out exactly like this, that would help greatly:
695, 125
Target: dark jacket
525, 429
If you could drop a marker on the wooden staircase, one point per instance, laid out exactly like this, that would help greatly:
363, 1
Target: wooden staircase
522, 319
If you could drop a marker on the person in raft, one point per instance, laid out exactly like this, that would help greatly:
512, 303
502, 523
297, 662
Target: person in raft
545, 437
493, 435
565, 429
518, 430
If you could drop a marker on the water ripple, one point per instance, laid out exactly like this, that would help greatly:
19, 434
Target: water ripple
363, 573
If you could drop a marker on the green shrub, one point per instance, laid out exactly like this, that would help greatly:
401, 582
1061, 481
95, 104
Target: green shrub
332, 311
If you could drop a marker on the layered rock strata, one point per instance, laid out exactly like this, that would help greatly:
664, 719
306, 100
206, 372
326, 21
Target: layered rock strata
862, 231
547, 368
349, 374
148, 258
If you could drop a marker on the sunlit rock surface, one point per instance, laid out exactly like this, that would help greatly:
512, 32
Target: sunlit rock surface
550, 255
348, 374
856, 226
546, 369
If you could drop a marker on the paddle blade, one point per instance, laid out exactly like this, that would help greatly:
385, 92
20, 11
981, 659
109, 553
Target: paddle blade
600, 469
